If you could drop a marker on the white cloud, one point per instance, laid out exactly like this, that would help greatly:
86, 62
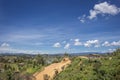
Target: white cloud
114, 43
89, 43
77, 42
97, 45
82, 19
111, 50
103, 8
92, 14
5, 45
57, 45
67, 46
106, 43
6, 48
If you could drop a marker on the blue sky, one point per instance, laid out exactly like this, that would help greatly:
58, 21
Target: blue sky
58, 26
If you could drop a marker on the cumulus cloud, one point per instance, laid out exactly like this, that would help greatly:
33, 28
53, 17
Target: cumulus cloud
106, 43
67, 46
77, 42
103, 8
89, 43
57, 45
114, 43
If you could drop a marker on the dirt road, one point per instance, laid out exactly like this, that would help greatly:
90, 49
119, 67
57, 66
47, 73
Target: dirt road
53, 69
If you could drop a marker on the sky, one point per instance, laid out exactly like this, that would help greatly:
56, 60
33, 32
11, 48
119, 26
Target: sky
59, 26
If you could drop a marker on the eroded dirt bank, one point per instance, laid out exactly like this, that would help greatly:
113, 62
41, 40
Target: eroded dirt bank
52, 70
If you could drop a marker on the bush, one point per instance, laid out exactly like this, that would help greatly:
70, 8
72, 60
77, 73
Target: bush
46, 77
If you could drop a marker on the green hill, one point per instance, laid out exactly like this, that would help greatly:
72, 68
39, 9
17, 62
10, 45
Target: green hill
106, 67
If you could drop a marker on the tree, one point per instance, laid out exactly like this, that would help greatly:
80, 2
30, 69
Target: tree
66, 54
9, 75
40, 59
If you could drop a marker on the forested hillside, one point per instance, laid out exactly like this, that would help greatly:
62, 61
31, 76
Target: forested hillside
106, 67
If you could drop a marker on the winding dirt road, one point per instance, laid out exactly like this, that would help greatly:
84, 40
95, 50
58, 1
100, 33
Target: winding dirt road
52, 69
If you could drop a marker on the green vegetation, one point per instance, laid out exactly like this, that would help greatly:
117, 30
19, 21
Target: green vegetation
93, 67
105, 67
20, 67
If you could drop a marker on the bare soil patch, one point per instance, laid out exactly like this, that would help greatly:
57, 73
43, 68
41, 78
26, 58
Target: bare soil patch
52, 70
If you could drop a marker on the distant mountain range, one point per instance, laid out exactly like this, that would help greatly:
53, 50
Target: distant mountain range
57, 54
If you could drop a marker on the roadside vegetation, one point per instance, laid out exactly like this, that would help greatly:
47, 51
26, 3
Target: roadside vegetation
104, 67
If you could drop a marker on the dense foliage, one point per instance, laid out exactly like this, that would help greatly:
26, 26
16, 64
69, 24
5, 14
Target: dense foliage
20, 67
102, 68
